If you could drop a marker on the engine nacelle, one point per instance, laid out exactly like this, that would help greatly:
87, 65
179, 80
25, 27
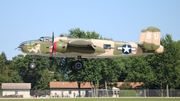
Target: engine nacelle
61, 47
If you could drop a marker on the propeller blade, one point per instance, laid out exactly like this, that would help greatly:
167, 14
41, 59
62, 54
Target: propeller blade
53, 37
52, 43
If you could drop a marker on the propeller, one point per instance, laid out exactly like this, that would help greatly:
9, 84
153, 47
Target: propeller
52, 50
52, 44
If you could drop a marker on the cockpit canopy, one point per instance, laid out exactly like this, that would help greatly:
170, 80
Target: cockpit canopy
45, 38
62, 35
48, 38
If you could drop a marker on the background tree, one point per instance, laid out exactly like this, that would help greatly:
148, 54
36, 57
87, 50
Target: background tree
4, 70
93, 68
112, 68
166, 65
139, 70
8, 72
82, 76
39, 77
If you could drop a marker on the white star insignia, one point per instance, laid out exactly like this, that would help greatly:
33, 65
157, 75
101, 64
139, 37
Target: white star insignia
126, 49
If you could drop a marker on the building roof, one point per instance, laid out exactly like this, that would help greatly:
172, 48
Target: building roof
133, 84
16, 86
69, 85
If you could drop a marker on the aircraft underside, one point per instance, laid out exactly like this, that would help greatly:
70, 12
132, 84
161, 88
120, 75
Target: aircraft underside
78, 64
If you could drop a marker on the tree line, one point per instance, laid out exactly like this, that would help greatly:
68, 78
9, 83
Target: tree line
157, 71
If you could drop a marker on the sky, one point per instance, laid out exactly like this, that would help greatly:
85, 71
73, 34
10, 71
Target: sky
121, 20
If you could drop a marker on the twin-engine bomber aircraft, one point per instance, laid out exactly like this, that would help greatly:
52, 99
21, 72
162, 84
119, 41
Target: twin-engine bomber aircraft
62, 46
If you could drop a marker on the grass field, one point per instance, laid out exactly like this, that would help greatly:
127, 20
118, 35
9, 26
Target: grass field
97, 99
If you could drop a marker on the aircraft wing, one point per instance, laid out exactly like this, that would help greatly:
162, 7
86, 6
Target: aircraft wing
85, 45
80, 43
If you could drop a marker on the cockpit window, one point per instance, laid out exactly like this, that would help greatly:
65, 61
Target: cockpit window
107, 46
32, 43
45, 39
41, 39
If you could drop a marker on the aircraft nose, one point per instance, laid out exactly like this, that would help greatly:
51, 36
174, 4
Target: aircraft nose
20, 46
24, 49
31, 46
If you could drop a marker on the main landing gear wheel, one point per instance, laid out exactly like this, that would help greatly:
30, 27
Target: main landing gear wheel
32, 65
77, 65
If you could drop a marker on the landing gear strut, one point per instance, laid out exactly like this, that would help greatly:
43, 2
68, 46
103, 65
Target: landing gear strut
78, 64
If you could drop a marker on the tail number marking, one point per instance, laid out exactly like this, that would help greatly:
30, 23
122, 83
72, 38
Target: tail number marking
149, 36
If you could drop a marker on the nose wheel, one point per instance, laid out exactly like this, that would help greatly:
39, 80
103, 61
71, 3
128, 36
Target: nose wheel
32, 65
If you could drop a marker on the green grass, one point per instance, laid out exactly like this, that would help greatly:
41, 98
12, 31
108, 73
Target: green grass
97, 99
127, 93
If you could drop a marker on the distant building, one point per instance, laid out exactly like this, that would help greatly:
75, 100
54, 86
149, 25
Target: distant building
131, 84
19, 89
69, 89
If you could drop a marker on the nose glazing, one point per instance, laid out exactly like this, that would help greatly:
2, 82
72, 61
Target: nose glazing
25, 43
23, 46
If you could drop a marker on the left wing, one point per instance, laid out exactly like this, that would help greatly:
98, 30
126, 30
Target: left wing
84, 44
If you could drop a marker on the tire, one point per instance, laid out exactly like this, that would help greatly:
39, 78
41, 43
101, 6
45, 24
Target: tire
77, 65
32, 65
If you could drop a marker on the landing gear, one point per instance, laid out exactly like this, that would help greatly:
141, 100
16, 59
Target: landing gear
78, 64
75, 65
32, 65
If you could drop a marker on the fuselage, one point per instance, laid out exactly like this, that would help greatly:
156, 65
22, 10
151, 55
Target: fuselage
149, 42
87, 48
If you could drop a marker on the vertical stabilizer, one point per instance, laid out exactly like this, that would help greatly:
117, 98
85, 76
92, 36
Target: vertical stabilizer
150, 38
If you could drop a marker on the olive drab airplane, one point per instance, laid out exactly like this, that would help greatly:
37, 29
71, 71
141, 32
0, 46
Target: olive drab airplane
62, 46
